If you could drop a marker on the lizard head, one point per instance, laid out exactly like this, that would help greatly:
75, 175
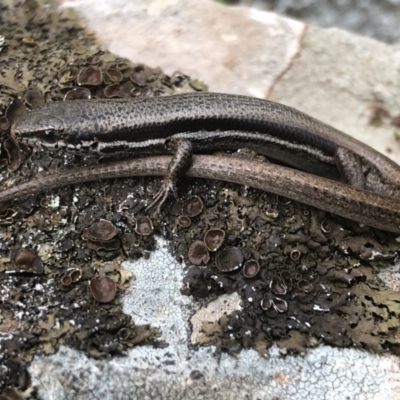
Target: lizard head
39, 128
55, 125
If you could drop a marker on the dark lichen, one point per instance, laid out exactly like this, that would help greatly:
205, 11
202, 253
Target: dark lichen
251, 269
214, 238
103, 289
317, 279
198, 253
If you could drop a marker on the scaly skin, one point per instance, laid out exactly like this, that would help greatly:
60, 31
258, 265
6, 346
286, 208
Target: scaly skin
211, 121
369, 208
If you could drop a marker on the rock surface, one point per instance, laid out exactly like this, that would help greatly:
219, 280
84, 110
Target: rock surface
377, 19
329, 74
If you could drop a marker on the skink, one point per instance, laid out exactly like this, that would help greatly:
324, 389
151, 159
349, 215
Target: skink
209, 121
369, 208
204, 122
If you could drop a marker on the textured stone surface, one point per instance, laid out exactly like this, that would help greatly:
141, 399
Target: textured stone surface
378, 19
178, 370
234, 50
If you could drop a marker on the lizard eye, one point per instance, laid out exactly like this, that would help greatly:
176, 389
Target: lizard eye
49, 136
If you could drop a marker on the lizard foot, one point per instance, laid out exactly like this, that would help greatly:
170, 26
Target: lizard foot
161, 196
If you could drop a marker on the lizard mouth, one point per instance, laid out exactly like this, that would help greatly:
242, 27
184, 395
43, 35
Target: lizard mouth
76, 147
30, 141
82, 147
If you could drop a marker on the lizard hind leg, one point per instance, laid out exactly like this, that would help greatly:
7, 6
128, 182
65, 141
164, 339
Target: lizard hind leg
179, 164
350, 167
